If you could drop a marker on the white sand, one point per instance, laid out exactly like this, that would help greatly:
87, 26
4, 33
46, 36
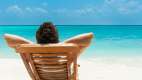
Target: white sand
91, 69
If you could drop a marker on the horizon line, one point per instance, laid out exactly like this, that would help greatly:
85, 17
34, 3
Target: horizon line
73, 25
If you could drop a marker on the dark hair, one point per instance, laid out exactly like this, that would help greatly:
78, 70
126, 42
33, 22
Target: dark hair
47, 33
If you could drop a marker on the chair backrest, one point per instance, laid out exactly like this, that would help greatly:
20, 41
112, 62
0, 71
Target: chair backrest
49, 62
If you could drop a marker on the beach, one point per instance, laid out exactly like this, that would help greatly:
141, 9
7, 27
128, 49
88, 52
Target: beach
98, 68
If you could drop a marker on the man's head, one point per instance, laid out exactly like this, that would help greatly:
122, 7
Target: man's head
47, 33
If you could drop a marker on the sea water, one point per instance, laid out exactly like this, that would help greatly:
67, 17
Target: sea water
109, 40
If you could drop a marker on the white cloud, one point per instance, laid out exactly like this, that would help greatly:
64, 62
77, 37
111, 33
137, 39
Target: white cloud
123, 6
62, 10
35, 10
15, 9
41, 10
108, 7
133, 7
104, 9
76, 11
28, 9
86, 11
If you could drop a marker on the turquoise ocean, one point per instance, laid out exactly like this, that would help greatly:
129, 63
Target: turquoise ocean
109, 40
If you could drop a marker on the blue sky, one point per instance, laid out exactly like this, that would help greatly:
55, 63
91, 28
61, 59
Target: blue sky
74, 12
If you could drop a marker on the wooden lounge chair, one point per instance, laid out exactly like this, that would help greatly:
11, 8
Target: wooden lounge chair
50, 62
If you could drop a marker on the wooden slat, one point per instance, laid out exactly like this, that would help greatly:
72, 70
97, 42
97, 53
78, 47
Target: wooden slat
49, 59
51, 69
53, 74
26, 63
33, 48
50, 54
50, 66
53, 77
48, 45
75, 69
45, 62
46, 78
45, 49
